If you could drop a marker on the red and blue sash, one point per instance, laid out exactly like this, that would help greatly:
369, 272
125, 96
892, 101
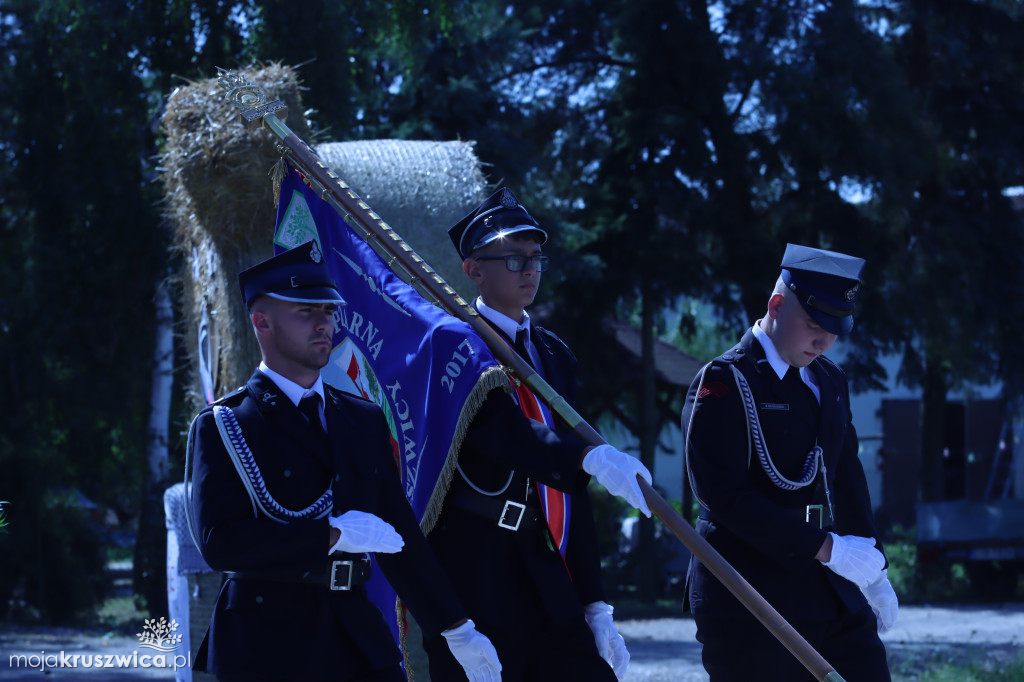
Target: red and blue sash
556, 504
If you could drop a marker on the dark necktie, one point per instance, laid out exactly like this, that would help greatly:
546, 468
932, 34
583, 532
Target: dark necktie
310, 406
520, 347
800, 391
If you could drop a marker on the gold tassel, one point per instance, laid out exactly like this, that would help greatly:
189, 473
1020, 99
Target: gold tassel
277, 173
402, 636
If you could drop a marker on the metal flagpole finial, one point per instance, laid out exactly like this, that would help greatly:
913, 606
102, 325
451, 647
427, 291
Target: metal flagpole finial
249, 98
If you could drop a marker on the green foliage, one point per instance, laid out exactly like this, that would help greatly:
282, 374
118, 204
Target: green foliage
622, 563
120, 614
963, 670
929, 579
84, 243
671, 148
3, 517
51, 561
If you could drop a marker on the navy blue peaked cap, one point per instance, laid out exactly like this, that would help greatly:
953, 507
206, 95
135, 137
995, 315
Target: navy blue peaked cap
825, 282
498, 216
299, 274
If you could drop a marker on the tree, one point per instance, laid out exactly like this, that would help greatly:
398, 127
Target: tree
959, 242
86, 252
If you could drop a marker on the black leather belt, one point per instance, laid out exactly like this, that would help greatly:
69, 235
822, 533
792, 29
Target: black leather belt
507, 514
818, 515
341, 574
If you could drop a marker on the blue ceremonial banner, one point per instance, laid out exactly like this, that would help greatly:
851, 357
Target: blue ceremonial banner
427, 370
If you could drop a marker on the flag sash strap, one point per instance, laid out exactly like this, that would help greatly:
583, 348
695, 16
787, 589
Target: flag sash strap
556, 505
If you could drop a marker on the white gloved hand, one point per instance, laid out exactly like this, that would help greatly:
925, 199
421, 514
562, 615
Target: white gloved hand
474, 652
883, 601
617, 472
856, 559
610, 643
363, 532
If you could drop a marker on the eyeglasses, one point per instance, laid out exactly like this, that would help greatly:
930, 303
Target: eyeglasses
516, 262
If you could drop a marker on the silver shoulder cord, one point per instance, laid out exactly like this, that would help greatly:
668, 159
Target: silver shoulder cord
755, 442
249, 472
252, 479
188, 484
815, 458
686, 443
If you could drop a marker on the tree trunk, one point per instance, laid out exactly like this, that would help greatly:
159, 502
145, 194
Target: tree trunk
163, 384
647, 579
933, 431
149, 572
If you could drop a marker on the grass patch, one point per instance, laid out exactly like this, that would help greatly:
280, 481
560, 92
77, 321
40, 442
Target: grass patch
1013, 671
956, 663
121, 615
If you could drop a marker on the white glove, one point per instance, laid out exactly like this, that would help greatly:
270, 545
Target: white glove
474, 652
856, 559
610, 644
362, 532
883, 601
617, 472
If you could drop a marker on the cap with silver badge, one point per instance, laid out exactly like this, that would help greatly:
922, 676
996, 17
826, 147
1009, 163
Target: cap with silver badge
498, 216
825, 282
299, 274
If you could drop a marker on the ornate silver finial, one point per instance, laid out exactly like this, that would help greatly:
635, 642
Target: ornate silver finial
249, 98
240, 91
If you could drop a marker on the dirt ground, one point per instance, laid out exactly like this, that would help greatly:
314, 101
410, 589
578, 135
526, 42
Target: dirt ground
924, 637
662, 649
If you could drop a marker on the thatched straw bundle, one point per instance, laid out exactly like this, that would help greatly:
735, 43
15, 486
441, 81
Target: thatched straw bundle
220, 202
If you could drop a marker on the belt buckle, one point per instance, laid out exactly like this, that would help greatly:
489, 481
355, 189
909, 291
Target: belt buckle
334, 575
818, 515
512, 508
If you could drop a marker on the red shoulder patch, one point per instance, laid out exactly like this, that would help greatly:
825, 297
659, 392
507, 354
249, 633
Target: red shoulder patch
712, 388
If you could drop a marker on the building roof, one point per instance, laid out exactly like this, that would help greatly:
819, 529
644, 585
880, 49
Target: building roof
671, 365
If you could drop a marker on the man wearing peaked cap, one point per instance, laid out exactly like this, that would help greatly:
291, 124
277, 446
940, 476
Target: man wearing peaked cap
516, 532
498, 217
826, 284
294, 484
299, 274
771, 454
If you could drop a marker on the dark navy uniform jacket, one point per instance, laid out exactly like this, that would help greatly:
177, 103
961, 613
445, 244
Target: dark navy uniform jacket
758, 527
276, 628
490, 565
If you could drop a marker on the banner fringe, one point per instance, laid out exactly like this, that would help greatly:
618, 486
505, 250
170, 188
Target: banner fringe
493, 377
403, 635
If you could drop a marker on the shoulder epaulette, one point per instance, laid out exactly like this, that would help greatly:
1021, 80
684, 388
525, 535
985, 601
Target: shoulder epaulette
553, 339
224, 399
338, 394
732, 355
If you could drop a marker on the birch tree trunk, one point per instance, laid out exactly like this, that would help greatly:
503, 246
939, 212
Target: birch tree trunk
149, 571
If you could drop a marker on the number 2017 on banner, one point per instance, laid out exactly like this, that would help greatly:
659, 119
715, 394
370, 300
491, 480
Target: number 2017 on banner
454, 367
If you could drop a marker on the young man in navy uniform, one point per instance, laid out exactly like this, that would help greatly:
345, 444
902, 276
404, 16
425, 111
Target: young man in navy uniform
771, 454
294, 483
529, 576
